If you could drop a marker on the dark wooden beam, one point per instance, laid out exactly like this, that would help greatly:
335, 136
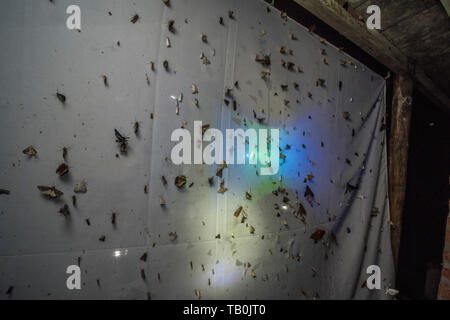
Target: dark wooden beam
398, 155
375, 44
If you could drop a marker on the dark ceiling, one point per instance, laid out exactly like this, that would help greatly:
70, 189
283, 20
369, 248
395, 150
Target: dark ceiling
419, 28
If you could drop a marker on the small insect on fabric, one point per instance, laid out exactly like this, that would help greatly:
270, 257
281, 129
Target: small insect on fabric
105, 80
50, 192
317, 235
65, 151
205, 128
122, 140
265, 60
220, 169
62, 170
320, 82
61, 97
171, 26
222, 188
65, 211
238, 212
180, 181
136, 128
134, 18
30, 151
80, 187
346, 115
113, 218
173, 236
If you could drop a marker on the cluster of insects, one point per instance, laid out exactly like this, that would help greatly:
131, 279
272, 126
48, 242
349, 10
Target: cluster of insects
181, 182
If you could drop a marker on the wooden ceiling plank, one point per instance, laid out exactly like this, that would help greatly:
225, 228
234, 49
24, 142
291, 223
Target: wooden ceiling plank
393, 12
433, 23
374, 43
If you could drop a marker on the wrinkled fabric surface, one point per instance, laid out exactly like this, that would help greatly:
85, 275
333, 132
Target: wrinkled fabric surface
332, 139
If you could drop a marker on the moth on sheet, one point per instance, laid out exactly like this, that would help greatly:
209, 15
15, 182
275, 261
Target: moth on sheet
205, 128
50, 192
122, 140
350, 188
80, 187
197, 293
30, 151
222, 188
134, 18
166, 65
260, 120
219, 171
265, 60
204, 59
346, 115
180, 181
309, 195
62, 169
238, 212
61, 97
65, 211
113, 218
105, 80
173, 236
320, 82
171, 26
317, 235
136, 127
65, 151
